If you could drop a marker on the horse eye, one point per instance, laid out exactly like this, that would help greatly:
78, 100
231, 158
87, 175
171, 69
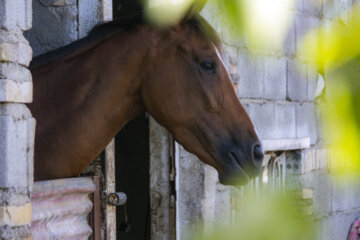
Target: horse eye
208, 66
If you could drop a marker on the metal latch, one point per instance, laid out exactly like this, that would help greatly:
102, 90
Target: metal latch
117, 198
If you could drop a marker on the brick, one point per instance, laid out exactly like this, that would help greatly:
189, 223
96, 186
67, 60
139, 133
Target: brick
306, 193
297, 86
334, 9
15, 83
11, 233
313, 7
14, 196
14, 130
15, 215
306, 122
322, 192
289, 43
15, 14
11, 91
14, 72
300, 5
251, 78
314, 83
303, 24
275, 78
273, 120
346, 196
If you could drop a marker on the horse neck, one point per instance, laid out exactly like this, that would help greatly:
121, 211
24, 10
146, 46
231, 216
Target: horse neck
81, 103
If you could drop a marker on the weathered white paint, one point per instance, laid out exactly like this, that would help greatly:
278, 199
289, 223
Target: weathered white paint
160, 170
285, 144
110, 210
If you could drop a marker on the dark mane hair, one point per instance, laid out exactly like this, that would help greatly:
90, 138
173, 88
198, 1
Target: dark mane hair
105, 30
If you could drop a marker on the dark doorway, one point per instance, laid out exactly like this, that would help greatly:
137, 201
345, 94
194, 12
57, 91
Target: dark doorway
126, 8
132, 177
132, 160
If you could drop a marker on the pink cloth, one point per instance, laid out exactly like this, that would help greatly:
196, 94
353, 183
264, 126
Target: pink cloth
354, 233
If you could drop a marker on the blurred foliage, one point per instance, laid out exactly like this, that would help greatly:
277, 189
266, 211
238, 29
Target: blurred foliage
271, 215
334, 50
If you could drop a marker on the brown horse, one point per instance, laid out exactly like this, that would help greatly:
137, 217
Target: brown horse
86, 92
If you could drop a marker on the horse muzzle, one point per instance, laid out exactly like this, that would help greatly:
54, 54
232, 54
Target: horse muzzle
239, 168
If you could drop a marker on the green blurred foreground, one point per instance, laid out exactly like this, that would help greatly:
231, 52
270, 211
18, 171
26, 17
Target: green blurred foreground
334, 51
271, 215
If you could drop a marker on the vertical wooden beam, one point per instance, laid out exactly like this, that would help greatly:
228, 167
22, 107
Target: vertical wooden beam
110, 211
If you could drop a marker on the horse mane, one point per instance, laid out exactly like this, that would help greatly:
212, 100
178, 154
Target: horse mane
128, 24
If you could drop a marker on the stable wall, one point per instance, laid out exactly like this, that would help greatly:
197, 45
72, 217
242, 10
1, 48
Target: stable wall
17, 127
280, 92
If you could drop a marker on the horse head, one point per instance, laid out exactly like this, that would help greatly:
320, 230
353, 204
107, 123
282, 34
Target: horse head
188, 90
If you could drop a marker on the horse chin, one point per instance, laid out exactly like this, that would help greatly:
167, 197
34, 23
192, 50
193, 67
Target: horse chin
233, 176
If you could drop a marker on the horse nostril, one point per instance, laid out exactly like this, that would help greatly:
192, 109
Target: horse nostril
258, 154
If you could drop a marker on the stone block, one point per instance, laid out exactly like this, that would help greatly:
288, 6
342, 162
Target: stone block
289, 43
273, 120
322, 191
15, 216
11, 91
274, 78
14, 72
306, 122
15, 14
334, 9
306, 193
313, 8
299, 5
346, 194
15, 52
15, 83
314, 83
11, 233
297, 86
303, 24
251, 77
14, 196
53, 27
15, 147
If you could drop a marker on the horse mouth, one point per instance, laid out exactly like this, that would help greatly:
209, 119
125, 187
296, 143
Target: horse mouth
234, 172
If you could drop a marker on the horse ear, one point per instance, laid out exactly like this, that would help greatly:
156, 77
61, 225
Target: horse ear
195, 8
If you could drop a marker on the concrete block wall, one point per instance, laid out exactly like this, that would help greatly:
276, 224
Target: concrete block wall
334, 197
277, 81
279, 90
17, 127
